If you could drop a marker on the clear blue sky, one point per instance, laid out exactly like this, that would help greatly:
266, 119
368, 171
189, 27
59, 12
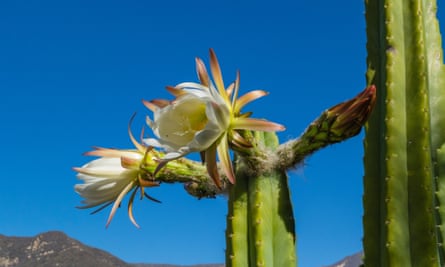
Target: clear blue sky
73, 72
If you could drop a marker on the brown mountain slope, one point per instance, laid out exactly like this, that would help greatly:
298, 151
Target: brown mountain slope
57, 249
52, 249
350, 261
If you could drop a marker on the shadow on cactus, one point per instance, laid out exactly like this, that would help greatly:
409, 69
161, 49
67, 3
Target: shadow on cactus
208, 118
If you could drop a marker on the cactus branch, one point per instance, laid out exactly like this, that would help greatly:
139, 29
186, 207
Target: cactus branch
334, 125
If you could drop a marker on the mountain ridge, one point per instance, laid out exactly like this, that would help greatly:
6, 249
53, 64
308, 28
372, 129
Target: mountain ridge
354, 260
55, 248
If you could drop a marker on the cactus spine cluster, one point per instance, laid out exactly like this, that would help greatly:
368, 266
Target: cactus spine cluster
404, 160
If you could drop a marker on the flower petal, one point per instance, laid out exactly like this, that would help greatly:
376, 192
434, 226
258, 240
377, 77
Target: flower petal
186, 86
235, 95
204, 139
150, 105
138, 145
212, 168
224, 157
239, 140
202, 72
102, 167
111, 153
97, 191
256, 125
217, 76
176, 154
130, 163
160, 103
118, 201
151, 124
218, 114
175, 91
247, 98
152, 142
130, 208
229, 89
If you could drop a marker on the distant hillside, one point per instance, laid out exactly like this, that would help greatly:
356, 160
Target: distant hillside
350, 261
57, 249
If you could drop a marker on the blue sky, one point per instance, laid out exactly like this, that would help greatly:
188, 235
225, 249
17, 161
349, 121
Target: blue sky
73, 72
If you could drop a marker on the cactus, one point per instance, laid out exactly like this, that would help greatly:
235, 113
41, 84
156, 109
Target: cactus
404, 188
260, 224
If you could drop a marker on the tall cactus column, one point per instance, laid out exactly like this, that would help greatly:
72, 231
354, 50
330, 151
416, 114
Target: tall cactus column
260, 223
404, 160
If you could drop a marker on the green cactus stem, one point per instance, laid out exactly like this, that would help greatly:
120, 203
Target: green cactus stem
403, 182
334, 125
260, 223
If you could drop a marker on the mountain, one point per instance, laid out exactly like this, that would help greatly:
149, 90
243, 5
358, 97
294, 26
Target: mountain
350, 261
57, 249
52, 249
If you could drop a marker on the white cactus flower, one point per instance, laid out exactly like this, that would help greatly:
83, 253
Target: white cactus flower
203, 119
108, 179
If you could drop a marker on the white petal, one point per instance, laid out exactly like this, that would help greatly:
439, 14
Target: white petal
174, 155
101, 190
204, 139
149, 122
191, 85
179, 127
104, 179
152, 142
104, 163
218, 114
